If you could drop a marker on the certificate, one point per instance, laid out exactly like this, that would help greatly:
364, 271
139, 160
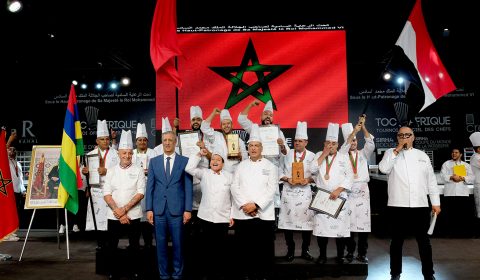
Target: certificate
188, 143
269, 135
322, 203
460, 170
93, 162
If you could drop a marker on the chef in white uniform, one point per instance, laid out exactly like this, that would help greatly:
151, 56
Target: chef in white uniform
333, 175
359, 195
217, 140
475, 164
108, 159
294, 212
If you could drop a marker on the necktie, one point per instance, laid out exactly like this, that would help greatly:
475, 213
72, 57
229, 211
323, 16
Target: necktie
167, 169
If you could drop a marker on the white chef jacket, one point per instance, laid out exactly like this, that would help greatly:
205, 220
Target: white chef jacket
17, 176
359, 195
452, 188
254, 181
99, 205
246, 124
340, 176
294, 213
410, 178
216, 140
216, 203
150, 154
123, 184
475, 164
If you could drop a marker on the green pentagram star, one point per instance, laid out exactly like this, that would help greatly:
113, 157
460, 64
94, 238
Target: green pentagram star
228, 72
3, 184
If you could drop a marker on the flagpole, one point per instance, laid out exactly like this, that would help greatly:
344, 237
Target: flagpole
176, 91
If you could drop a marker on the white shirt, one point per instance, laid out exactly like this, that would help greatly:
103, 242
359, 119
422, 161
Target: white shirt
456, 188
17, 176
475, 164
362, 159
410, 178
216, 203
172, 159
255, 181
123, 184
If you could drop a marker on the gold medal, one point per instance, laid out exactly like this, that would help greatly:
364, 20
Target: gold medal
326, 177
355, 176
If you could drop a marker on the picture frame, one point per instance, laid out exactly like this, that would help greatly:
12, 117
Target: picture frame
43, 178
322, 203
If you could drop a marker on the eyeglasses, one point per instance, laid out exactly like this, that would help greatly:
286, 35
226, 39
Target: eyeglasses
404, 135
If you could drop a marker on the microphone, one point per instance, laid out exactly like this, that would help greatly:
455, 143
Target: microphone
405, 146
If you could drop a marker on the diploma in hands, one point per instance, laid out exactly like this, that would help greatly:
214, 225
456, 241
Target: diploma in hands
188, 143
269, 135
322, 203
93, 162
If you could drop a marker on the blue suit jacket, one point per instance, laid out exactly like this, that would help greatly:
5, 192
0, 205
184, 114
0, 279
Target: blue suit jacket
177, 191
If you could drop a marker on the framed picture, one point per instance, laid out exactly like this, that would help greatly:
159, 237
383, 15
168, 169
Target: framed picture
323, 204
43, 178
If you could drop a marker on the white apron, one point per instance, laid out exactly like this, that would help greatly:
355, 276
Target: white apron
295, 200
359, 201
340, 175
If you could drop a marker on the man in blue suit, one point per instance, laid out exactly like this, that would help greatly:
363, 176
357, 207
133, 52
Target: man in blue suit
169, 204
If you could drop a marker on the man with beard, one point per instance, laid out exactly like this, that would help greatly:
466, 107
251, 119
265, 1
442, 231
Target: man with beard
267, 119
218, 140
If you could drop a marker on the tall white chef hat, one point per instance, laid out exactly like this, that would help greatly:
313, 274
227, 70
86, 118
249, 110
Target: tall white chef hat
332, 132
166, 127
225, 115
195, 112
141, 131
268, 106
254, 134
125, 140
475, 139
301, 132
102, 128
347, 129
218, 151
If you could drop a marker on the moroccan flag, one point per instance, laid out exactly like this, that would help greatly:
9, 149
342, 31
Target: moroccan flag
8, 210
164, 43
416, 59
304, 73
72, 148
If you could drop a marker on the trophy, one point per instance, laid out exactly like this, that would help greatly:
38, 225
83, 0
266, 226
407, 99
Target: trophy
297, 172
233, 145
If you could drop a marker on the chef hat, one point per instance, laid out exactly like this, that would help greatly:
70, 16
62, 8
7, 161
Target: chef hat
225, 115
332, 132
218, 151
141, 131
102, 128
166, 127
268, 106
125, 140
347, 129
195, 112
475, 139
301, 132
254, 134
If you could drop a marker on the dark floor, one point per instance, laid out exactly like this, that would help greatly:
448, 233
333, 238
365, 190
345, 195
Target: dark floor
43, 259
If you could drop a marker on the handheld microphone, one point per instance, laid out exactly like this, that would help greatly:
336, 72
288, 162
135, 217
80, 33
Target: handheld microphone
405, 146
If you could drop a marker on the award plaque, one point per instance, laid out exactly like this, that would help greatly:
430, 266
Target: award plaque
322, 203
233, 145
297, 172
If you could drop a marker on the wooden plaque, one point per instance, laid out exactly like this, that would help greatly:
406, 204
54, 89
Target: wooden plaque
233, 145
297, 172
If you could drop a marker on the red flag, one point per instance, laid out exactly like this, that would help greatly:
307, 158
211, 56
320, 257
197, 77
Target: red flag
433, 78
304, 73
8, 210
164, 43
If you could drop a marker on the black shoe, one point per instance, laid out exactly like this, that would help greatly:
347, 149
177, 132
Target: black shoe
135, 276
429, 277
362, 259
306, 256
289, 257
349, 258
395, 277
340, 260
113, 277
321, 260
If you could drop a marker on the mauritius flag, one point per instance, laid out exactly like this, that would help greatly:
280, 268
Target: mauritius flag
72, 148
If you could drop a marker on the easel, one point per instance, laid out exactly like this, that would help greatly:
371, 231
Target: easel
58, 235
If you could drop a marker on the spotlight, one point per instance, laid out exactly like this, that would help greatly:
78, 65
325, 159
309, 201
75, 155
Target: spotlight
14, 6
74, 82
113, 85
400, 80
98, 85
387, 76
83, 86
125, 81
